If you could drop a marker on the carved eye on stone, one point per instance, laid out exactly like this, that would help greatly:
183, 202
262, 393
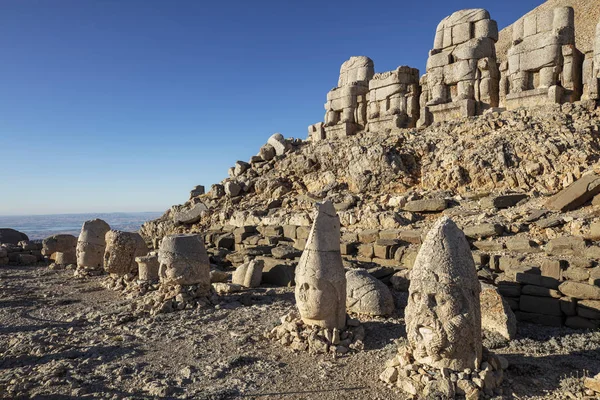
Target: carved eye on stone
416, 297
441, 300
303, 292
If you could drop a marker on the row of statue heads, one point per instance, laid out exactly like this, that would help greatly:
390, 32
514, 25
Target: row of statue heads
464, 77
443, 317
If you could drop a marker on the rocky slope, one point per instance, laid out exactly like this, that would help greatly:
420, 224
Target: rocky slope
587, 15
371, 176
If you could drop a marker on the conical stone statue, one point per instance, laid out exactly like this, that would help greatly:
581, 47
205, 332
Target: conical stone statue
443, 316
320, 275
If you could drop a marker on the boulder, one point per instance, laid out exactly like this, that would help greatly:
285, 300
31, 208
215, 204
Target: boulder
496, 315
121, 250
183, 261
576, 194
232, 189
366, 294
8, 235
248, 274
580, 290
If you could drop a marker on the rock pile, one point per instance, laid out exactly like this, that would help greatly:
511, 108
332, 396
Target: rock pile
299, 336
23, 252
61, 250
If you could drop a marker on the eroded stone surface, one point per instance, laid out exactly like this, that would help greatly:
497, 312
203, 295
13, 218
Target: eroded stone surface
367, 294
121, 250
91, 244
60, 248
443, 315
184, 261
320, 278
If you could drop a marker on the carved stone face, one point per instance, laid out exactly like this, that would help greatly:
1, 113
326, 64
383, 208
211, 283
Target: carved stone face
317, 299
439, 314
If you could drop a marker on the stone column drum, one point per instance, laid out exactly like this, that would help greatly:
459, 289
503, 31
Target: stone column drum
121, 250
183, 261
320, 276
443, 315
92, 243
148, 267
60, 248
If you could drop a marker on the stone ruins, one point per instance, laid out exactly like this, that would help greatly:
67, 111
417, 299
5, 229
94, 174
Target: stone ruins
121, 250
61, 249
544, 66
441, 213
464, 78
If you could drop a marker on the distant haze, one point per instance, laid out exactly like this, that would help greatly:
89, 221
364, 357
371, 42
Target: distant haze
42, 226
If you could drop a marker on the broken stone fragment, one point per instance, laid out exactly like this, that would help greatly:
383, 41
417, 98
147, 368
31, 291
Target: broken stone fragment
248, 274
426, 205
576, 194
483, 231
496, 315
121, 250
184, 261
367, 294
189, 215
504, 201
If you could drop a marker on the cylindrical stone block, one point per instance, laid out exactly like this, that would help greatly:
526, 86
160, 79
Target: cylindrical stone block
148, 267
183, 261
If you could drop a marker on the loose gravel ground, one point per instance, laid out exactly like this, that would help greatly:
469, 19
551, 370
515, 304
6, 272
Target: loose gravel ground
65, 338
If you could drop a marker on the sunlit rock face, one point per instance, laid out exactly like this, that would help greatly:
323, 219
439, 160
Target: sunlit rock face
60, 248
183, 261
320, 277
92, 243
443, 316
121, 250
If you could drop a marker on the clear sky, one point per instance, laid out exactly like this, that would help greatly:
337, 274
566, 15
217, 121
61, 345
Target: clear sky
125, 105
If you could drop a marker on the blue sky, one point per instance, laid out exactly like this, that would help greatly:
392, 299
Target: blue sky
125, 105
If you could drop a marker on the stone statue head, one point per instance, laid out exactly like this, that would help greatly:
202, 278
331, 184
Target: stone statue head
320, 277
443, 317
